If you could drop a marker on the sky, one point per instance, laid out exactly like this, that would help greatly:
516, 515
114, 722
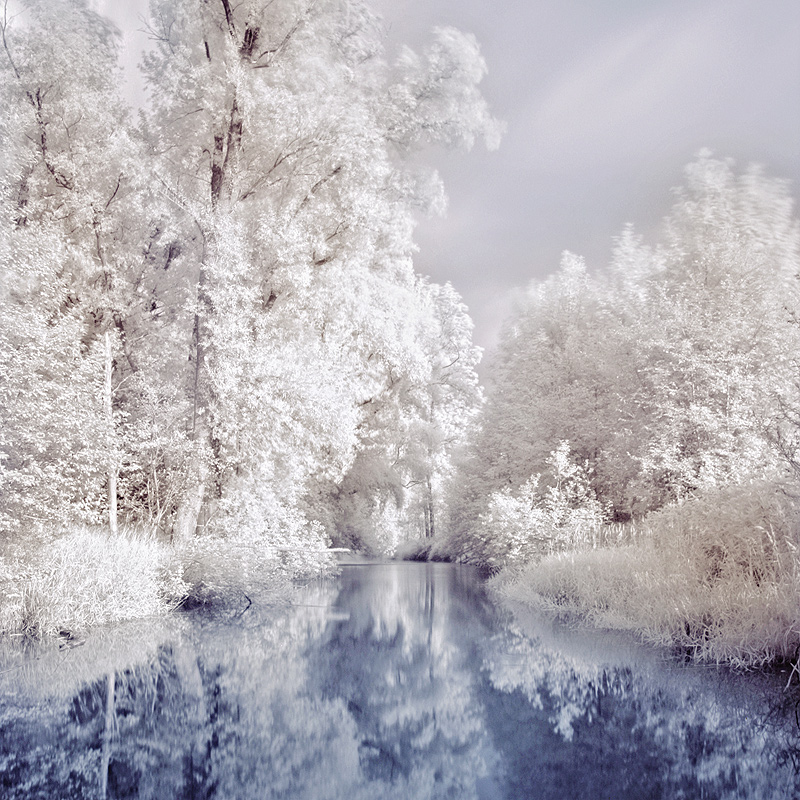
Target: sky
605, 102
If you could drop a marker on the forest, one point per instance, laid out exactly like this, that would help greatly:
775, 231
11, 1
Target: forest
216, 353
636, 460
217, 360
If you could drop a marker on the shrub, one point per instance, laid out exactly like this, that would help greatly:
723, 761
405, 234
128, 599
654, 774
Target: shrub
89, 578
220, 570
414, 550
11, 594
245, 553
716, 577
745, 534
540, 518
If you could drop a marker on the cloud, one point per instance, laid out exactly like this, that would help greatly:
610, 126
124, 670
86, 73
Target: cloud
653, 81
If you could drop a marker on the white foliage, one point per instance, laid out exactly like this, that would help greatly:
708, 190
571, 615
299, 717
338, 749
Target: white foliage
541, 516
671, 373
248, 251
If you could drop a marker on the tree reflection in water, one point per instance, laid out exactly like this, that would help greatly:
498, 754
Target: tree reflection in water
396, 681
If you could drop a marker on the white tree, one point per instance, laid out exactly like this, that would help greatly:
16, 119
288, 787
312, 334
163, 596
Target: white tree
70, 225
278, 132
226, 295
721, 336
671, 372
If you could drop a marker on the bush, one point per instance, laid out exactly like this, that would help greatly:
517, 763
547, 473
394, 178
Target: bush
717, 577
88, 578
539, 518
255, 533
10, 595
414, 550
219, 570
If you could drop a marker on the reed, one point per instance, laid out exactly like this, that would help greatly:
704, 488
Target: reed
88, 578
716, 578
84, 578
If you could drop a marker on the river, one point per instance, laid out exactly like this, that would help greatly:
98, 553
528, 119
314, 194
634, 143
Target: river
392, 681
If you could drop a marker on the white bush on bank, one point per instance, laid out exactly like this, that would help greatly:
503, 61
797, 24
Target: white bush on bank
541, 517
254, 555
88, 578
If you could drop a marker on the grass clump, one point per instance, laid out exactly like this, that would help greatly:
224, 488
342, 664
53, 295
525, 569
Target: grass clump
716, 577
84, 578
88, 578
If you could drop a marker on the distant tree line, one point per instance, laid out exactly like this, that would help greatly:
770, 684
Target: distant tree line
617, 392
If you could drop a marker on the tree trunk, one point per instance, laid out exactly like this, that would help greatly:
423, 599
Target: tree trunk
430, 527
224, 162
191, 504
185, 525
109, 415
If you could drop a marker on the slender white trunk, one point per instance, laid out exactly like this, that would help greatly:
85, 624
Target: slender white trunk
430, 526
191, 502
109, 414
188, 513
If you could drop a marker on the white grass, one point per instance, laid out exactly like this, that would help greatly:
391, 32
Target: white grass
88, 578
717, 578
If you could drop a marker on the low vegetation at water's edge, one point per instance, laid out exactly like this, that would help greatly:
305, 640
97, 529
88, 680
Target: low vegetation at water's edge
88, 577
716, 578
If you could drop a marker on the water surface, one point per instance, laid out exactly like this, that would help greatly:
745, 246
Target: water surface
392, 681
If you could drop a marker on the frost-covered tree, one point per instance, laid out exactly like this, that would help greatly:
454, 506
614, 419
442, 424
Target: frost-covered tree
70, 229
671, 372
224, 296
410, 431
453, 398
279, 134
719, 351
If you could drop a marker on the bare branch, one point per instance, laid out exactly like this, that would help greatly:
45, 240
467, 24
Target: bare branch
114, 193
3, 28
165, 35
273, 52
318, 185
229, 17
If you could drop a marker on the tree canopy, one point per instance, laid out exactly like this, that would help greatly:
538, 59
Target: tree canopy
670, 372
210, 315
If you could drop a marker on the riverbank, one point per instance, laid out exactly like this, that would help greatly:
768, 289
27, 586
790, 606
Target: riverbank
86, 578
716, 579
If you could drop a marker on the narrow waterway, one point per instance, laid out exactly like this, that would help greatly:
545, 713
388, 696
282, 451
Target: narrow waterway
392, 681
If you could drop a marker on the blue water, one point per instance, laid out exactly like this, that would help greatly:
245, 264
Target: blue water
391, 681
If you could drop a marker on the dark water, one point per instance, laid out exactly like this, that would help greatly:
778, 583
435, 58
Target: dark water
394, 681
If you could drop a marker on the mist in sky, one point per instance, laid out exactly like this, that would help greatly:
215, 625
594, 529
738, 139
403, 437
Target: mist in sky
604, 105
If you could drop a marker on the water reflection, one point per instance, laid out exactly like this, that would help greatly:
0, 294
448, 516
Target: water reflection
396, 681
